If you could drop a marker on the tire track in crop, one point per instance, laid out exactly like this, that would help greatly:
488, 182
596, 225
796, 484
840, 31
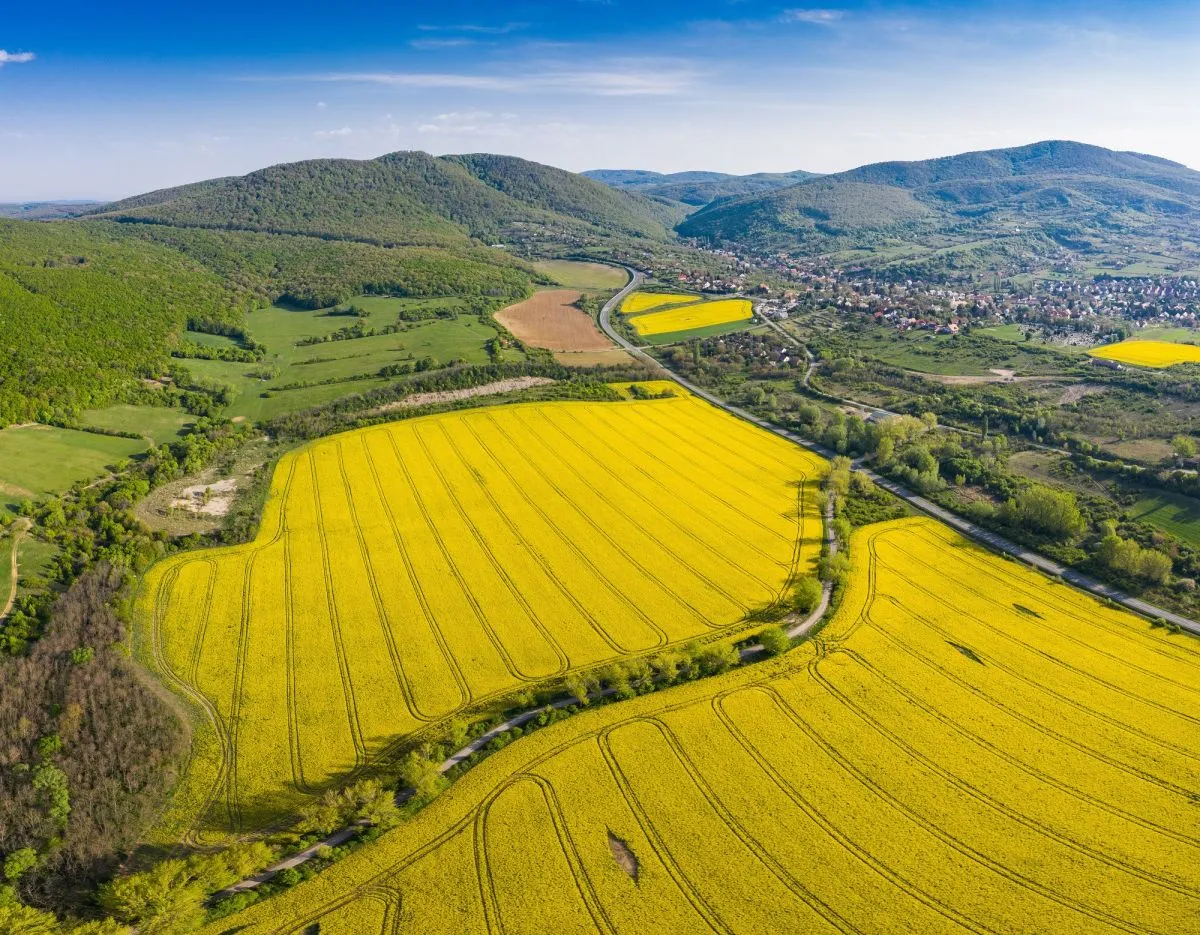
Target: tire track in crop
579, 553
1060, 633
233, 802
289, 642
862, 854
352, 718
686, 420
536, 554
689, 457
757, 849
706, 912
564, 661
877, 727
468, 594
599, 440
1038, 686
466, 696
1024, 767
381, 613
161, 600
1115, 624
583, 885
934, 829
613, 543
670, 521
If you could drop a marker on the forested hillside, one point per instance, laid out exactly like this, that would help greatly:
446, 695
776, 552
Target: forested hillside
1084, 198
695, 189
406, 198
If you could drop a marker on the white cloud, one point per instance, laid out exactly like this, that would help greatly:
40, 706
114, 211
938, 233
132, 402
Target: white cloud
814, 17
332, 134
630, 80
426, 45
15, 58
476, 28
321, 105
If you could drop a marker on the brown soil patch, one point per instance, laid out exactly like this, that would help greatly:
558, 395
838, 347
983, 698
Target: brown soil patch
550, 320
13, 490
623, 855
613, 357
445, 396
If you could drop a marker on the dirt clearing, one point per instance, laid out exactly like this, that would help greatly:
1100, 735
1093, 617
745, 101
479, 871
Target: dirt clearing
549, 319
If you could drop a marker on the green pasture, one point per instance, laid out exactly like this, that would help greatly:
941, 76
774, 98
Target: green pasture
39, 460
351, 365
1171, 512
157, 424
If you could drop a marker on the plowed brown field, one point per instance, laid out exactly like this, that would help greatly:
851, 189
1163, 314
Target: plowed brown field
550, 320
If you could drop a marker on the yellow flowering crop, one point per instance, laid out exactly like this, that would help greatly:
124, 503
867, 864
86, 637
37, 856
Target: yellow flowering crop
966, 747
1149, 353
406, 571
644, 301
687, 317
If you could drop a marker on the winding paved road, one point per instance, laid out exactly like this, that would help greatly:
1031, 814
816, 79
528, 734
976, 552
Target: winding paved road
966, 527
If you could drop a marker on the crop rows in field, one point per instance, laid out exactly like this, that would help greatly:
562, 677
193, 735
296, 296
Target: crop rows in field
967, 747
410, 570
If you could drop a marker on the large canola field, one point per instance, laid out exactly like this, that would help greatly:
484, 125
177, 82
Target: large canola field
659, 320
1149, 353
408, 571
968, 747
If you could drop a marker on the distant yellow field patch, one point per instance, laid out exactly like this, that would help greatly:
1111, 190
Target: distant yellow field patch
644, 301
687, 317
1149, 353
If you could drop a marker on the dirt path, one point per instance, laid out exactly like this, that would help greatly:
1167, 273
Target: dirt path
18, 534
445, 396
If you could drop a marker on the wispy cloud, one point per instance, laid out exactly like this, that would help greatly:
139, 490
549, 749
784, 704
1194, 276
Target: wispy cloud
455, 43
616, 81
15, 58
332, 134
480, 28
814, 17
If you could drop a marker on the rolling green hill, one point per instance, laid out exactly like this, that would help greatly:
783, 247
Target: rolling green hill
407, 198
695, 189
1082, 198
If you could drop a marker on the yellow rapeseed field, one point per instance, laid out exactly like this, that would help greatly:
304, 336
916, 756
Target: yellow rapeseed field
1149, 353
967, 747
644, 301
407, 571
687, 317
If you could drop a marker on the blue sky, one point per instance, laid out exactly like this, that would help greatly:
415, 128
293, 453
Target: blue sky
106, 100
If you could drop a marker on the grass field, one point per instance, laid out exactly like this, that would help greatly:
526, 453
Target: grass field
645, 301
38, 460
574, 274
691, 317
406, 571
354, 362
1175, 513
1149, 353
968, 747
157, 424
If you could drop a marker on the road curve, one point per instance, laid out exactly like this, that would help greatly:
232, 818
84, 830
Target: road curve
966, 527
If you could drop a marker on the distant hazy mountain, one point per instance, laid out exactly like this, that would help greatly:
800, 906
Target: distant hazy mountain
1080, 196
45, 210
695, 188
408, 198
